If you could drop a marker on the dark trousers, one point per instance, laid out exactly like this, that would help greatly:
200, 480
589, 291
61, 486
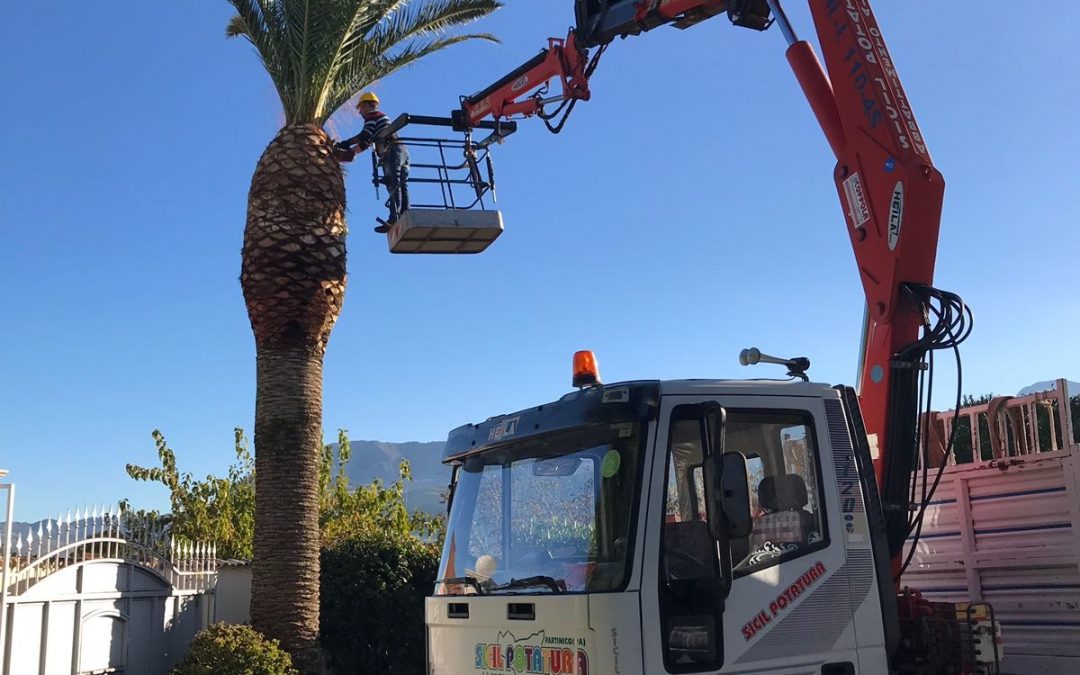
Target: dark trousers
395, 166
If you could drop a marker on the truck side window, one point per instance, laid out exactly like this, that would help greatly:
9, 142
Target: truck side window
784, 483
690, 614
689, 549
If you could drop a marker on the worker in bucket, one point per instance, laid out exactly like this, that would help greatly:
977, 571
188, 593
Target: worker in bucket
393, 157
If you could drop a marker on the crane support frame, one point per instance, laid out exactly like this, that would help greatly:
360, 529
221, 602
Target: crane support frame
601, 21
892, 197
562, 59
889, 189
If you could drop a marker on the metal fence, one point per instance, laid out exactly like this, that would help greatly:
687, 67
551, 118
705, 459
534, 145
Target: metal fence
91, 592
102, 535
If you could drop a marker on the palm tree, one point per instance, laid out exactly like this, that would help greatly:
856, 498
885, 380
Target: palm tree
318, 53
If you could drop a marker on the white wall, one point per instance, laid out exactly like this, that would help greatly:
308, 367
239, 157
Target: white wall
232, 597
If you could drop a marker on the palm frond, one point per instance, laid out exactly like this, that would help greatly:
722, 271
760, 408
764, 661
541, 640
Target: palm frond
364, 60
435, 16
376, 69
236, 27
251, 22
398, 40
363, 17
319, 53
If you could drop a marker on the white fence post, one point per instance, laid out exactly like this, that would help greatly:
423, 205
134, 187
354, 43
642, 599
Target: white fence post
967, 537
10, 487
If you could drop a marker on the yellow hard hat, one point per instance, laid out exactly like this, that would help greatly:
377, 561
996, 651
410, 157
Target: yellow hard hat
369, 96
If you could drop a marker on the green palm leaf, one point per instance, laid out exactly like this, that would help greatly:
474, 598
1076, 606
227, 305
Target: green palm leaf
319, 53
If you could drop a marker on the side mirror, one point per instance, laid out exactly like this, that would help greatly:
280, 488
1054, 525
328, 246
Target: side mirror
736, 495
728, 495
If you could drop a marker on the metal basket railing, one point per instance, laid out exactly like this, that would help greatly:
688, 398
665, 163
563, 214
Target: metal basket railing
461, 169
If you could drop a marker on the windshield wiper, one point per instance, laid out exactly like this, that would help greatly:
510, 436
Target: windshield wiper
542, 580
463, 580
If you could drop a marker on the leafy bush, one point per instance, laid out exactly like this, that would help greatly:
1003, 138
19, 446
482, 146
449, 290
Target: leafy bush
374, 584
224, 649
345, 510
222, 510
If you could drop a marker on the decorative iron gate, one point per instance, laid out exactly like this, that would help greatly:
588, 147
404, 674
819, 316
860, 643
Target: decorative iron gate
86, 596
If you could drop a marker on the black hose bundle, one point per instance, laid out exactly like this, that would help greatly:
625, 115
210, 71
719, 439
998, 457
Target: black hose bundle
547, 117
947, 322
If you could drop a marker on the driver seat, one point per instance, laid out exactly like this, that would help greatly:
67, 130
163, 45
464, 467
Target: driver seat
785, 524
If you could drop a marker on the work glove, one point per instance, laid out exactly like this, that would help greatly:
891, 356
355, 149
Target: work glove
343, 153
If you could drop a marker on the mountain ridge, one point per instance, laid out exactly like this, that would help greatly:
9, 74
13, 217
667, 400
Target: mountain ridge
1073, 388
379, 460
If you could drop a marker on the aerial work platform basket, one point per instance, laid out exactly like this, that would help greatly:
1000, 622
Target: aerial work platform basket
453, 230
458, 217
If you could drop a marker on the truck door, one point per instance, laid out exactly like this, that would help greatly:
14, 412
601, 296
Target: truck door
795, 588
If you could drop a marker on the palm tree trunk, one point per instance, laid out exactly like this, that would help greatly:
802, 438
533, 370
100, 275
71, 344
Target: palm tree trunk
293, 277
288, 434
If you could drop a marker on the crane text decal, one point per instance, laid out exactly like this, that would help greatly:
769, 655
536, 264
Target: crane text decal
537, 653
482, 108
783, 601
896, 214
872, 72
856, 199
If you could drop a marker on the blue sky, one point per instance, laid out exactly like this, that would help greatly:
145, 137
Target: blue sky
686, 212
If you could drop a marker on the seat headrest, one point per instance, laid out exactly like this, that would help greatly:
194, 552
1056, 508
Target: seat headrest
785, 492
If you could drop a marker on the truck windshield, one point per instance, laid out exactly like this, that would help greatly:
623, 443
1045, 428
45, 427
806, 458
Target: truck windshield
556, 507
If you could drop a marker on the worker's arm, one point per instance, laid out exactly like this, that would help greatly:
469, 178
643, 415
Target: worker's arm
362, 140
352, 144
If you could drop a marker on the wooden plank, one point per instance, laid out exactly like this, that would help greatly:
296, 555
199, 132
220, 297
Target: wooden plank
967, 535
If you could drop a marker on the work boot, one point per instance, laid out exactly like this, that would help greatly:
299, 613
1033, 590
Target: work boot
384, 226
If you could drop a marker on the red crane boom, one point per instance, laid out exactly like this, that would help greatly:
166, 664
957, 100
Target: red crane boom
889, 189
562, 59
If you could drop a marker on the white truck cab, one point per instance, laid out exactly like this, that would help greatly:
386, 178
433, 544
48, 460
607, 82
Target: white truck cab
692, 526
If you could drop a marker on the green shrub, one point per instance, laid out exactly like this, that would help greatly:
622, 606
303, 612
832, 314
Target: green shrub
224, 649
373, 587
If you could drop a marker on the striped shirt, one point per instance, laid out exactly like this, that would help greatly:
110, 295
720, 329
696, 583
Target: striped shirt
373, 124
